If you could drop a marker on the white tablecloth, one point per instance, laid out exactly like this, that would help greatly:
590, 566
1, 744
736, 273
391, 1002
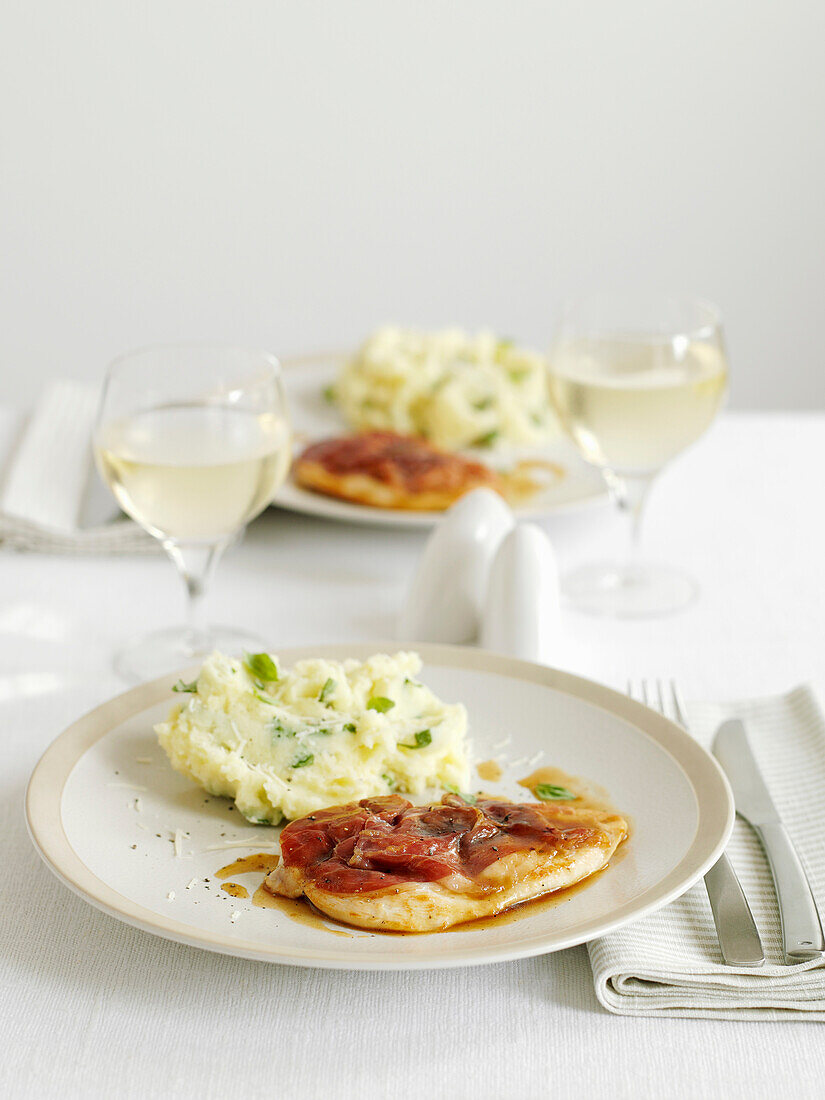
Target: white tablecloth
91, 1007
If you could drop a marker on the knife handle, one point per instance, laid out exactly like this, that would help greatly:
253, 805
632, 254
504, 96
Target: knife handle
735, 927
802, 937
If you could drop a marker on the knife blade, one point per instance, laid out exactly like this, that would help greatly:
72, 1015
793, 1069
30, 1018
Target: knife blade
802, 935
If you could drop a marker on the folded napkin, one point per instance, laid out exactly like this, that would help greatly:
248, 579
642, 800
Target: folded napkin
669, 964
52, 498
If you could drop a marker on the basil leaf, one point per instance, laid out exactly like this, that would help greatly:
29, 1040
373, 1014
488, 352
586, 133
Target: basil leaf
469, 798
259, 693
388, 779
302, 761
380, 703
181, 686
261, 666
350, 727
548, 793
326, 690
486, 440
422, 738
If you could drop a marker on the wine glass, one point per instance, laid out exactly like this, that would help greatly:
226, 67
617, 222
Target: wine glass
635, 380
193, 441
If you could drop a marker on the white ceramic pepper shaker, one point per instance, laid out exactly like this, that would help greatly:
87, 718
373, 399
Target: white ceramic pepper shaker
448, 591
521, 615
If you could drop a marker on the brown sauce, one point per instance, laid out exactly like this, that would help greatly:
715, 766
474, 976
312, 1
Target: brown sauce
521, 484
589, 795
235, 890
258, 861
297, 909
490, 770
530, 908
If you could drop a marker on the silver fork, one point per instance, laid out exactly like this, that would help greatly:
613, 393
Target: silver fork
735, 927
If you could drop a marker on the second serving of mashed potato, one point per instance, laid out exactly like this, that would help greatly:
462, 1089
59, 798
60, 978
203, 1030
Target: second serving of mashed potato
283, 743
455, 389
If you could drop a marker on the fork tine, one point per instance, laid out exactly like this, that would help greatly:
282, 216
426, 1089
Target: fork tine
665, 701
635, 690
655, 694
679, 705
660, 695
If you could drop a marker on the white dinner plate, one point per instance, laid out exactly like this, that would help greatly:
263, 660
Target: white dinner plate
314, 418
103, 807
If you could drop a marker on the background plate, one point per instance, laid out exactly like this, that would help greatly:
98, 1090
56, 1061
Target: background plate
103, 818
314, 418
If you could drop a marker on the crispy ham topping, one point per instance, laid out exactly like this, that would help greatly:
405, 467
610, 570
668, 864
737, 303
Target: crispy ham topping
379, 843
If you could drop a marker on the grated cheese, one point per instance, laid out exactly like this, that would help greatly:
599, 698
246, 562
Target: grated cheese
250, 842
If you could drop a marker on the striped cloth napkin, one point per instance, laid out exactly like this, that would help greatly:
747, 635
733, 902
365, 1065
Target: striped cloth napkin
669, 964
52, 499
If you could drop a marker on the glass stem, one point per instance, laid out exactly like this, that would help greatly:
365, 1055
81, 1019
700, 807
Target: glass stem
630, 494
196, 563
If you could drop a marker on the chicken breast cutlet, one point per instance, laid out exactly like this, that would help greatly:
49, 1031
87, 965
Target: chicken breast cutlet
387, 470
385, 864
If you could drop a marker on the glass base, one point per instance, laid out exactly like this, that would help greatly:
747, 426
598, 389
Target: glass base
629, 592
166, 650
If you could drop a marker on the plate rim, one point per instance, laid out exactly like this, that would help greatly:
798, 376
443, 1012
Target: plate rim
714, 800
342, 511
367, 515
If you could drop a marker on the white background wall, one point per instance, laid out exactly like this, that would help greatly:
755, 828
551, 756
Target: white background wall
292, 173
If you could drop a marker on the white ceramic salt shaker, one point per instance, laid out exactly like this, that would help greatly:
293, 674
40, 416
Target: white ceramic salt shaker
448, 590
521, 615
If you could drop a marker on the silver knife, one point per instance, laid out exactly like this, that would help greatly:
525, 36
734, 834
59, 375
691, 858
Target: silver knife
802, 937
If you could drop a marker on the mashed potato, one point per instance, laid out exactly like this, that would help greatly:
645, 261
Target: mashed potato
322, 733
455, 389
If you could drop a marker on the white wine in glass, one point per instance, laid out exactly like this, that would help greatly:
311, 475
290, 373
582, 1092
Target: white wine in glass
193, 441
635, 382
